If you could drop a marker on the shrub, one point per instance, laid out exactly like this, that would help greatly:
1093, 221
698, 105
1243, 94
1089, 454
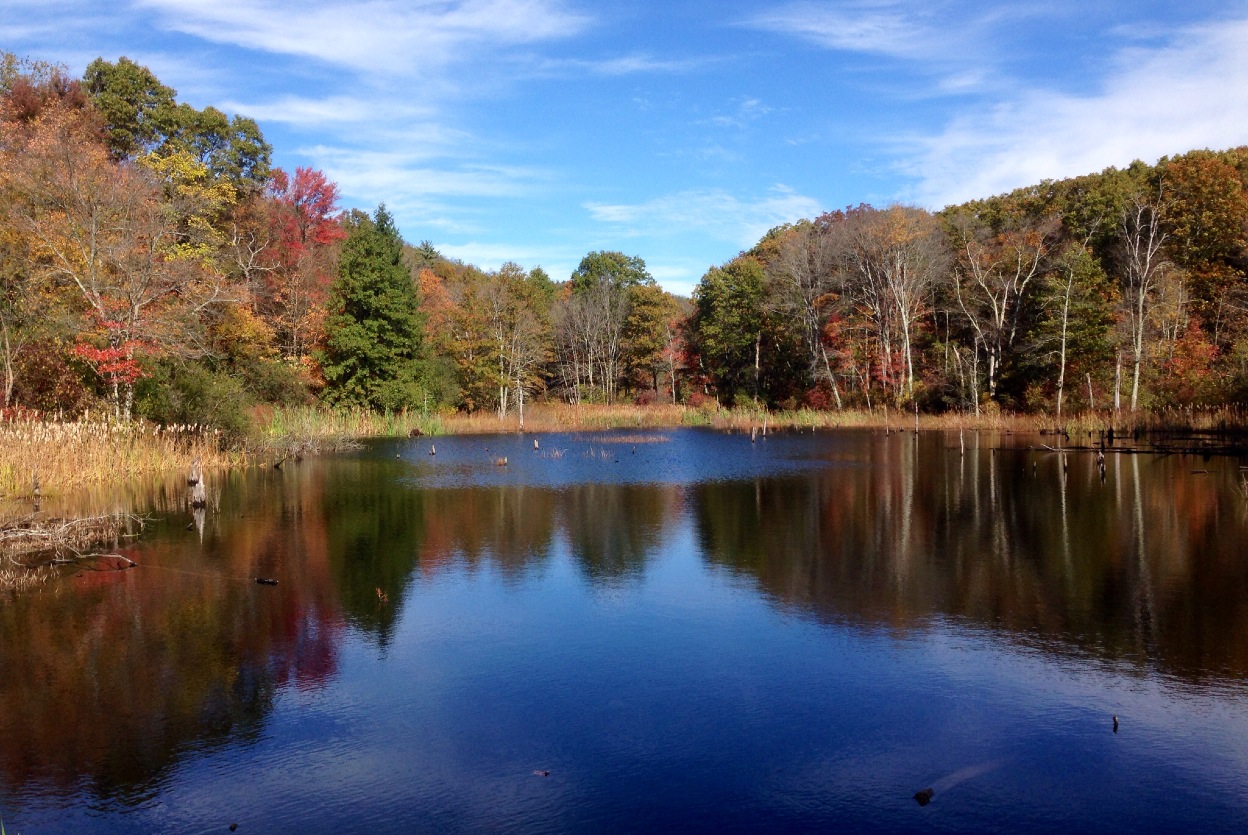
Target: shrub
193, 394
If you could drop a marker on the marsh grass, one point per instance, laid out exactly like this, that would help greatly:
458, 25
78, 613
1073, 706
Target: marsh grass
295, 430
70, 456
15, 579
283, 429
44, 457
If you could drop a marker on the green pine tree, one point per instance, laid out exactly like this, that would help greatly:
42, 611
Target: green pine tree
374, 335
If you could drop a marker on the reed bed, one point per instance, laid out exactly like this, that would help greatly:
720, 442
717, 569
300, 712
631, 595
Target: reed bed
301, 429
46, 457
17, 579
312, 426
54, 457
568, 417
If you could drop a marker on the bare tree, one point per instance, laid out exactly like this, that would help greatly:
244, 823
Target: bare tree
894, 258
994, 269
1142, 237
801, 276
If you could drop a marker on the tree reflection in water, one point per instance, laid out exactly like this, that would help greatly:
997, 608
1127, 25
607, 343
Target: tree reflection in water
111, 680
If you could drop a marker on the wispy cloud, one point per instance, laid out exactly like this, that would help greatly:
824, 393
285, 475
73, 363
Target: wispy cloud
957, 45
363, 172
883, 28
331, 110
748, 110
385, 35
715, 213
1192, 92
636, 64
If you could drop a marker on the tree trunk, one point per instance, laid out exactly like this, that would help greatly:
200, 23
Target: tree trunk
1118, 383
836, 392
1061, 366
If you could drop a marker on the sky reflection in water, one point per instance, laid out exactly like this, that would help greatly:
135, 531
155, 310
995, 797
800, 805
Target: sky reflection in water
709, 635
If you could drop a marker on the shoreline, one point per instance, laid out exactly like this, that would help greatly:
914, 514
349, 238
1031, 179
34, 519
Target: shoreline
53, 458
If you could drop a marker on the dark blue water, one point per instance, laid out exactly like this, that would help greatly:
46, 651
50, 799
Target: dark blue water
659, 631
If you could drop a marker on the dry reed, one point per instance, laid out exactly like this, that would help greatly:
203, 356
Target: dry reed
283, 428
51, 457
16, 578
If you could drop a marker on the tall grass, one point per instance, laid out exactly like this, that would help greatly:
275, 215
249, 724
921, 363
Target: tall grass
65, 456
320, 428
294, 430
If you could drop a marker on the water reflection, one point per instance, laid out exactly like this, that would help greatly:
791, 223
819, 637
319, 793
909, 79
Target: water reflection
1144, 567
113, 681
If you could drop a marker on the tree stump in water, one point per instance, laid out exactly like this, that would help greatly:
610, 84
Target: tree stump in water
196, 482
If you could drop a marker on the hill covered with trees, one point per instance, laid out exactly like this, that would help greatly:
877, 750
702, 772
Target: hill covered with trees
154, 263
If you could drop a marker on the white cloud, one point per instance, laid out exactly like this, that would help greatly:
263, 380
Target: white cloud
337, 110
880, 28
377, 35
623, 65
1190, 93
714, 213
392, 175
748, 110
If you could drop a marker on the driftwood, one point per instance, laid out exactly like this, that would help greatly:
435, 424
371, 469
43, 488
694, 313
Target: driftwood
31, 547
1202, 450
29, 535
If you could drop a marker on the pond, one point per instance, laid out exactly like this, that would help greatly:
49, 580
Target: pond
675, 630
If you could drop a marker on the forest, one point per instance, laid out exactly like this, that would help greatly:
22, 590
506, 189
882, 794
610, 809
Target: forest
156, 265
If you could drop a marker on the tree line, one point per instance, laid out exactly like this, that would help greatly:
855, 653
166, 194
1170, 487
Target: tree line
154, 262
1123, 289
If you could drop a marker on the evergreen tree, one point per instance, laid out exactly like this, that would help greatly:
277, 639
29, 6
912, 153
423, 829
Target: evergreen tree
374, 334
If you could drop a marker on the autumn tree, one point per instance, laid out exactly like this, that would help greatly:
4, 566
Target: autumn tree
650, 331
1208, 226
893, 258
1074, 333
142, 115
296, 265
113, 234
517, 311
804, 273
591, 319
30, 310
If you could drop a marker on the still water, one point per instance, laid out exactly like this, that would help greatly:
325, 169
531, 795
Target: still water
660, 631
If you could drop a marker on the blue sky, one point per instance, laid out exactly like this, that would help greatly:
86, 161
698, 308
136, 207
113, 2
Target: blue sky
538, 130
